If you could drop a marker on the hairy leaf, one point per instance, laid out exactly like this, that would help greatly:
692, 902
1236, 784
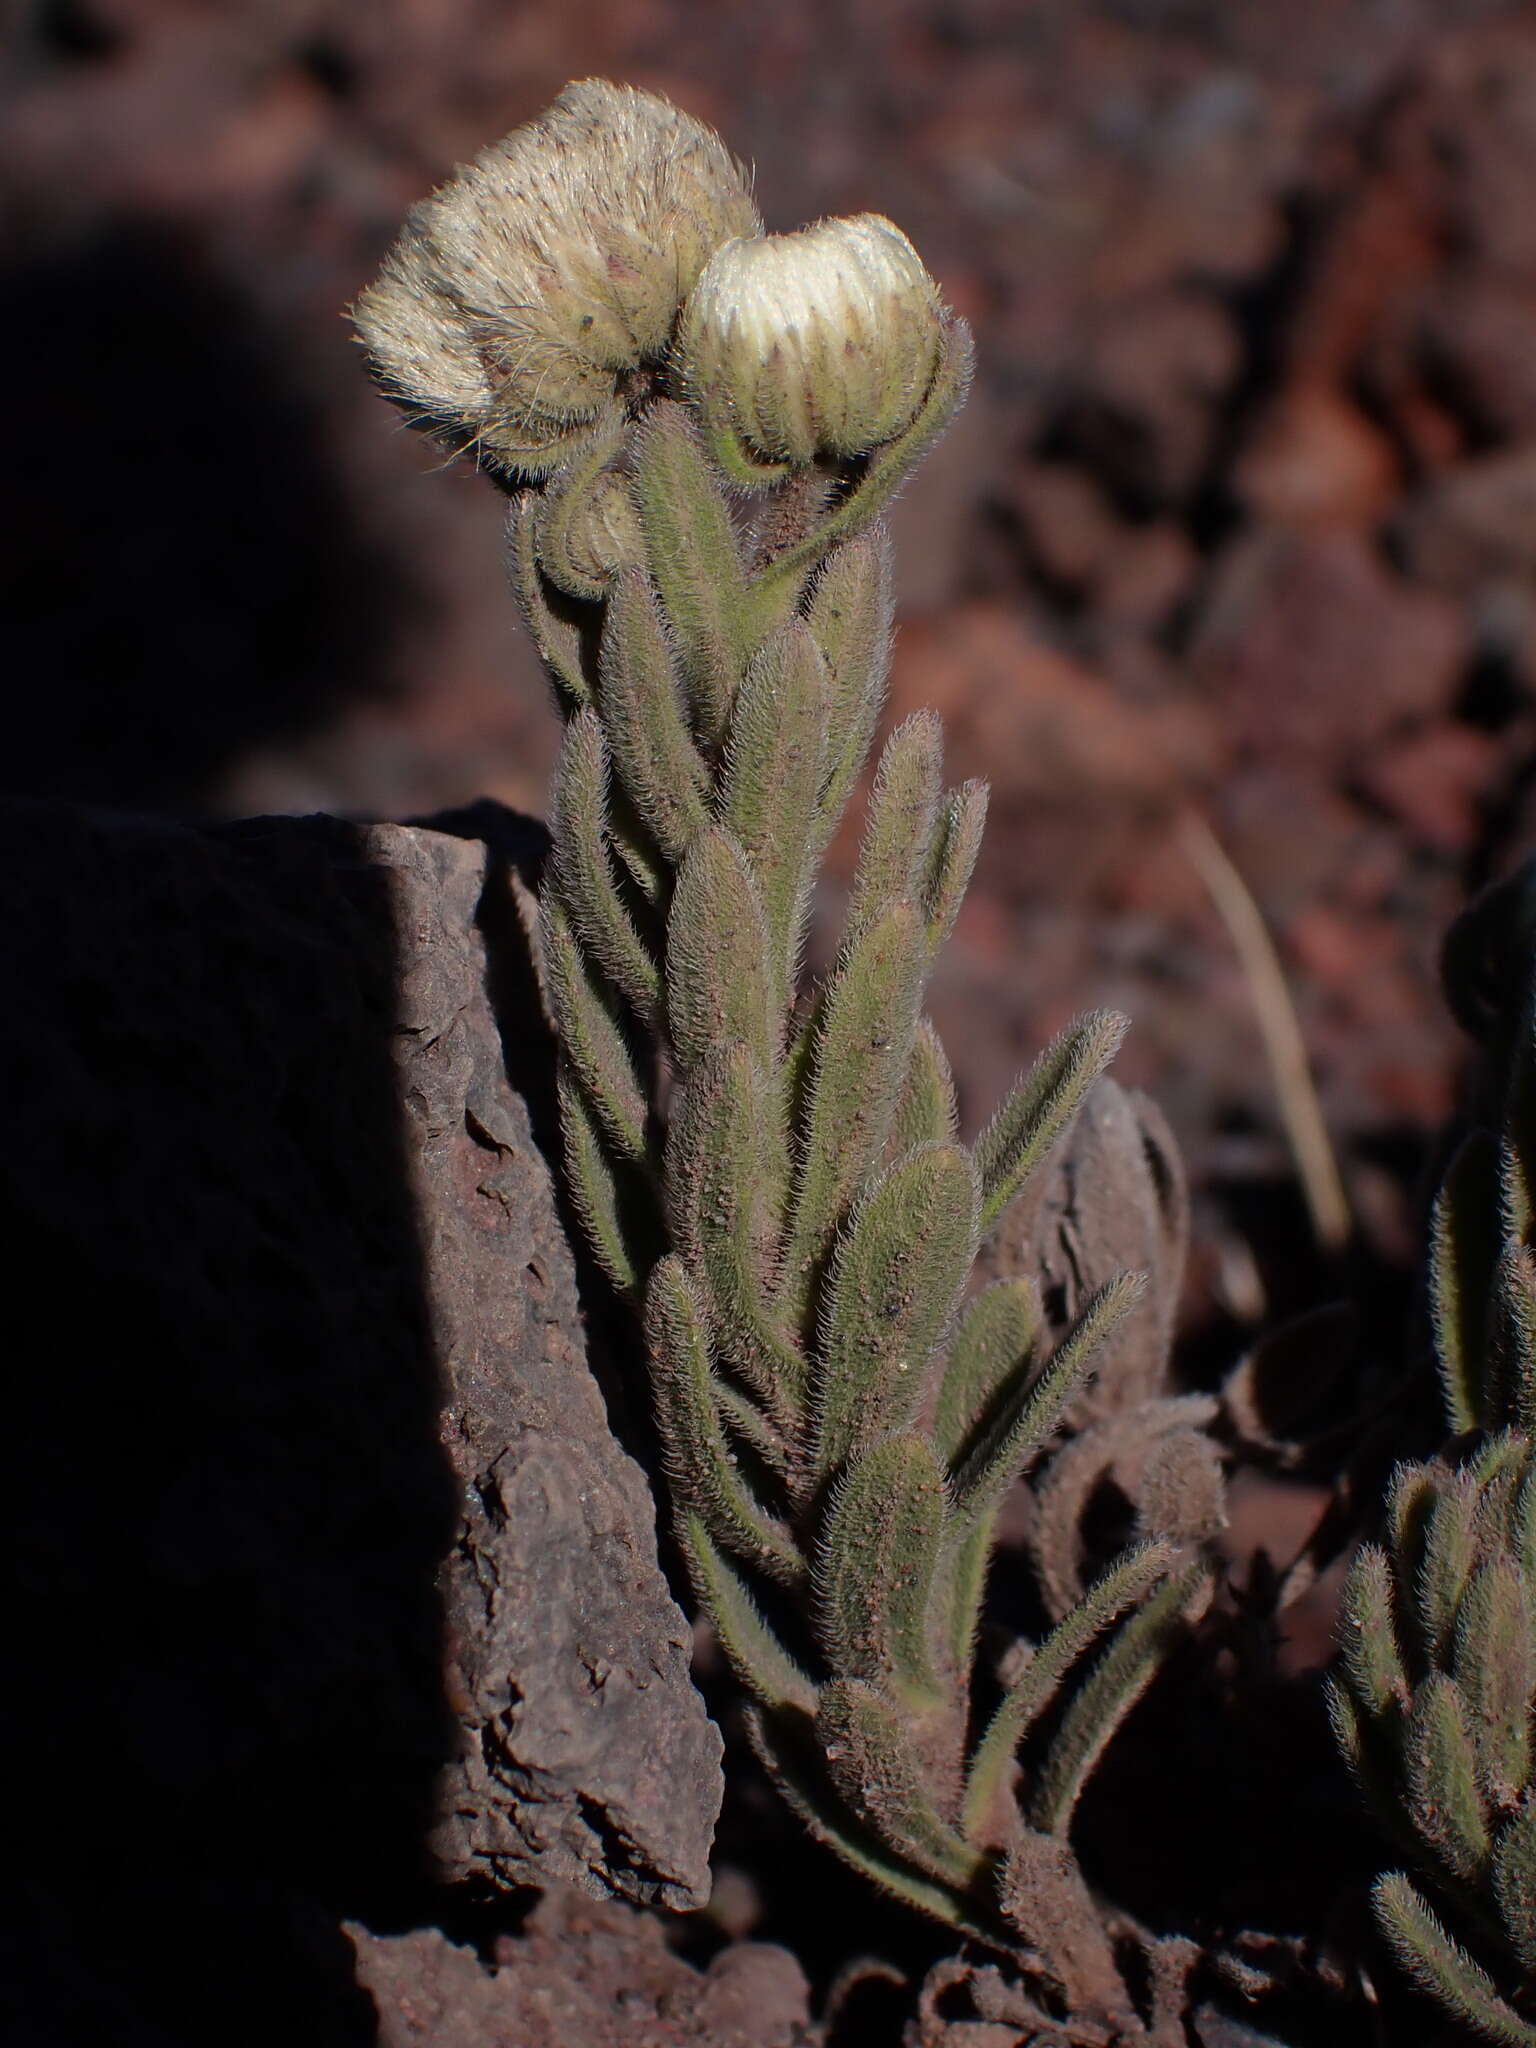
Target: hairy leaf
718, 967
591, 1037
725, 1171
1025, 1421
1464, 1240
896, 1278
1040, 1109
1441, 1769
903, 808
759, 1660
1441, 1967
616, 1206
994, 1344
862, 1045
1449, 1548
875, 1564
871, 1762
796, 1780
644, 718
951, 857
699, 1465
694, 559
1116, 1683
772, 779
849, 617
1514, 1882
580, 874
1126, 1582
1494, 1664
556, 638
926, 1110
1373, 1660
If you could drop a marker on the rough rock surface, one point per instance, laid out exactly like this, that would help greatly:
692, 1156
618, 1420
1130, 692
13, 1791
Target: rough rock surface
301, 1399
598, 1974
584, 1754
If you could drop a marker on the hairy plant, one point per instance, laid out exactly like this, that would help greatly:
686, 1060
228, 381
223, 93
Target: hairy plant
1436, 1692
700, 426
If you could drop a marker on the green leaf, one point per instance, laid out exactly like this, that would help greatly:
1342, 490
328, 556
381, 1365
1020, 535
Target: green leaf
556, 638
644, 720
993, 1345
694, 559
1441, 1967
1494, 1663
1441, 1769
903, 807
796, 1779
896, 1279
951, 859
1373, 1662
718, 964
1449, 1548
725, 1180
1042, 1107
1514, 1882
1025, 1420
1371, 1752
754, 1652
699, 1464
926, 1111
579, 870
1464, 1239
1517, 1168
616, 1206
1116, 1683
1128, 1580
849, 617
591, 1037
1411, 1498
959, 1587
564, 505
858, 1061
772, 778
874, 1568
871, 1763
1511, 1390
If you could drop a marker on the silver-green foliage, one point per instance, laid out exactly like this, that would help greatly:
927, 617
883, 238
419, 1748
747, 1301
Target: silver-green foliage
702, 426
1434, 1699
839, 1427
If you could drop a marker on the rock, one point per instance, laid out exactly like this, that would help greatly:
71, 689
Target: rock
333, 1581
600, 1975
1312, 650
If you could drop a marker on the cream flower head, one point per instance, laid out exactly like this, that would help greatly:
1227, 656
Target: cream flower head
820, 342
524, 290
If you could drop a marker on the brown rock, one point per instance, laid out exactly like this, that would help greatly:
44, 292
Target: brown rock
600, 1975
1314, 650
1316, 460
304, 1399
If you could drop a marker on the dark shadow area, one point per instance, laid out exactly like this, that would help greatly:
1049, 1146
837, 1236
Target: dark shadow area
226, 1492
182, 578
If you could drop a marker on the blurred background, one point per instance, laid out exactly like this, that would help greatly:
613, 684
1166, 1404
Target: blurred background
1240, 522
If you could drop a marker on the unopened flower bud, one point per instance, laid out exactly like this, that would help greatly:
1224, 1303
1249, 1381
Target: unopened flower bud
525, 289
820, 342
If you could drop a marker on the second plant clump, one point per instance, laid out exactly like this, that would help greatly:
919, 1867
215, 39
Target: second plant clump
699, 425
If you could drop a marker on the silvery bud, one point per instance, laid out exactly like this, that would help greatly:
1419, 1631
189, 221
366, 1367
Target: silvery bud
819, 342
525, 290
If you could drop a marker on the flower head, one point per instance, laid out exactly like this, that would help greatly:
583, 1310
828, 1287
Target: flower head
521, 293
820, 342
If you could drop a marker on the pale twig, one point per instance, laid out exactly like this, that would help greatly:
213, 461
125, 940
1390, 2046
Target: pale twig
1295, 1090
